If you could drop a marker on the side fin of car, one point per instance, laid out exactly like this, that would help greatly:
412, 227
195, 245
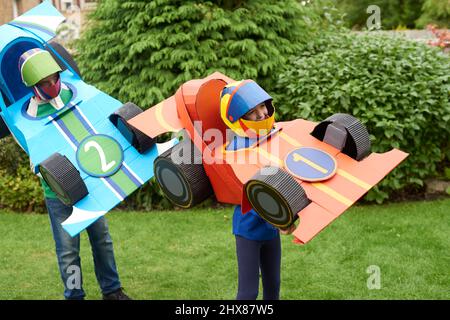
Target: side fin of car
42, 21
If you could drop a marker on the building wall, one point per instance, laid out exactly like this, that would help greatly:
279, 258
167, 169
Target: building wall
25, 5
6, 7
6, 11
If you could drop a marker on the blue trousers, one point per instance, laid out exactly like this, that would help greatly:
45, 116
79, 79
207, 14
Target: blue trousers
253, 257
68, 253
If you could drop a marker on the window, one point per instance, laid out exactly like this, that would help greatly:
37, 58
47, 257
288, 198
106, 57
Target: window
88, 4
66, 4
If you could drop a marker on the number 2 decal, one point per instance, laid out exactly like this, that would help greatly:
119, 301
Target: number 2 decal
105, 166
109, 151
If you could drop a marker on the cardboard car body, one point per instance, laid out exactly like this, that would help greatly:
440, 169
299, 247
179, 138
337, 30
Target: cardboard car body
84, 117
198, 102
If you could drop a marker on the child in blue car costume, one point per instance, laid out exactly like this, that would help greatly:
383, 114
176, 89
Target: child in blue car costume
248, 111
41, 73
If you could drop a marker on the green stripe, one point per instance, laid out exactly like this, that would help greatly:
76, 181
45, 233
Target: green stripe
77, 129
75, 126
124, 182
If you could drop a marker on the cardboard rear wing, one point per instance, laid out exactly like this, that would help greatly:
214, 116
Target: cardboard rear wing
42, 21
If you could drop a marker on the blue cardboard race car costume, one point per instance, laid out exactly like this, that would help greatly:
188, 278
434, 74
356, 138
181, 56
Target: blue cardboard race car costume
80, 143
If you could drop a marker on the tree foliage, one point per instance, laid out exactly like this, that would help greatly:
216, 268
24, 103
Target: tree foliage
141, 51
435, 12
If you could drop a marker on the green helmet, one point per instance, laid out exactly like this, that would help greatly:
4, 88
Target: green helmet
35, 65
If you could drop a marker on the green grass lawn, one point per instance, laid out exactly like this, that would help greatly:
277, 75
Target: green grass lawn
191, 255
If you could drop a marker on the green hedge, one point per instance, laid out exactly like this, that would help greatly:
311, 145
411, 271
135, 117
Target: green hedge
398, 88
20, 189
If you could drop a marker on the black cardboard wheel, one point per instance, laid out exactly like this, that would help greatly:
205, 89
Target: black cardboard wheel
357, 145
180, 174
139, 140
63, 178
276, 196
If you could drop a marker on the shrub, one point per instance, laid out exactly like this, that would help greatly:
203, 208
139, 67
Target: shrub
398, 88
20, 190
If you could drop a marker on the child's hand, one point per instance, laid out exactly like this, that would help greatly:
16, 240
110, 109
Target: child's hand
289, 230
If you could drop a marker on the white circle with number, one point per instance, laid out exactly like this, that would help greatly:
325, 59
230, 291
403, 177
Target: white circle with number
100, 155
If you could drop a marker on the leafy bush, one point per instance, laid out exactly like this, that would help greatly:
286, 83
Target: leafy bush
398, 88
20, 189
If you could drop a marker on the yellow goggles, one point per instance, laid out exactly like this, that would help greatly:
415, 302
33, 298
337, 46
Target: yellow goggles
255, 129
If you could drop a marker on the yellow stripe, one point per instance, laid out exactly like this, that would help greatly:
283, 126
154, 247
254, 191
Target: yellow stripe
333, 193
160, 118
270, 157
298, 157
317, 185
340, 172
290, 140
354, 179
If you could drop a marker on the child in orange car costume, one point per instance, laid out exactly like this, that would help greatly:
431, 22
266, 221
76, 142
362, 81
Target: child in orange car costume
248, 111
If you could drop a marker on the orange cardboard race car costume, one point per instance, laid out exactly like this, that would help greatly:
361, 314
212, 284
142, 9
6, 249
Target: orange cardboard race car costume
302, 169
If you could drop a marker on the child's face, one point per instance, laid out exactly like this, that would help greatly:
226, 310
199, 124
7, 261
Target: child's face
258, 113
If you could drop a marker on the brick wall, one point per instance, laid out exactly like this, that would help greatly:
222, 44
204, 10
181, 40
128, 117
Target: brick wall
6, 8
6, 11
26, 5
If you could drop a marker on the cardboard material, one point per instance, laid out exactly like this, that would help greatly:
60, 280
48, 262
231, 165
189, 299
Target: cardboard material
228, 171
85, 116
